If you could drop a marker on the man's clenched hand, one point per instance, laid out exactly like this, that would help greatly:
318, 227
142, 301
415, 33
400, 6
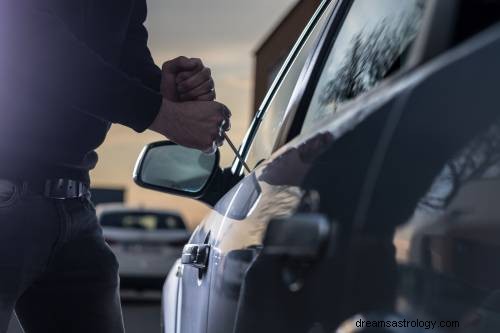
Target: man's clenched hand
187, 79
188, 115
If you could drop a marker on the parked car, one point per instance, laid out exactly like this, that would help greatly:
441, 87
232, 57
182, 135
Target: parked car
146, 242
374, 187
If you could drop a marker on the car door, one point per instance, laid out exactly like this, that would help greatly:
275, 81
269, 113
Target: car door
274, 189
439, 189
197, 285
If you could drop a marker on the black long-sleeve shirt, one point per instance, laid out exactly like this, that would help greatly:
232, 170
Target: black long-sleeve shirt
68, 69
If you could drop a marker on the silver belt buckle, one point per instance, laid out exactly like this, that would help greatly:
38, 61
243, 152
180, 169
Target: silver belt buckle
62, 189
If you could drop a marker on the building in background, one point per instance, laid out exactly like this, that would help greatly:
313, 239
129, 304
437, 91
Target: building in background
107, 195
272, 52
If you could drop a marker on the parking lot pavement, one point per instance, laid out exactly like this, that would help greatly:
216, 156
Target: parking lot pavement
141, 313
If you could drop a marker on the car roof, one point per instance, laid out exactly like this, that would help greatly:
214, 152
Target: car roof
103, 209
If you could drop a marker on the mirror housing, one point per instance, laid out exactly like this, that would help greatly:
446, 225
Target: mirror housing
167, 167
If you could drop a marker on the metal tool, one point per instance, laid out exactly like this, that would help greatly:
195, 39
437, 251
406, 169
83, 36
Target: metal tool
236, 152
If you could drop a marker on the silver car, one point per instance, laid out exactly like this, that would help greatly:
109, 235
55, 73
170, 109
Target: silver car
146, 243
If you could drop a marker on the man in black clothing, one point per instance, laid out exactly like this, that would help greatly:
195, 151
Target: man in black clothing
68, 69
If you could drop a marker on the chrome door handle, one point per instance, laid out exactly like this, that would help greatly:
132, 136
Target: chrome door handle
196, 255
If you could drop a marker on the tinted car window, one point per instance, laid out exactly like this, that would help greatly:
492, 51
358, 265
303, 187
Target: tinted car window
264, 142
142, 221
371, 44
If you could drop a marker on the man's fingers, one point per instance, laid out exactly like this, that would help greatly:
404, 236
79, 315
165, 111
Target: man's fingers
197, 63
220, 142
201, 90
185, 75
226, 112
208, 97
182, 64
195, 81
226, 126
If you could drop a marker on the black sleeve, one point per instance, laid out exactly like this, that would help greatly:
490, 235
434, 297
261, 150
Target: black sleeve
136, 57
51, 64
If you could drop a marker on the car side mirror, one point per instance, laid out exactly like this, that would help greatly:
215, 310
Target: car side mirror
167, 167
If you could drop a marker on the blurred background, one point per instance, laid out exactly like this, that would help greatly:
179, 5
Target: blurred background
225, 34
244, 43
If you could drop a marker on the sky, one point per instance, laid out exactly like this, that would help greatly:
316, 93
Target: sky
224, 34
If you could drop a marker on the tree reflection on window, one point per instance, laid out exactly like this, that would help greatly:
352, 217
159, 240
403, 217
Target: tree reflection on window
372, 43
479, 160
371, 57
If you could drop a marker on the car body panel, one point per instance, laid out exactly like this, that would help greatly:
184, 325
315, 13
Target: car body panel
171, 298
358, 293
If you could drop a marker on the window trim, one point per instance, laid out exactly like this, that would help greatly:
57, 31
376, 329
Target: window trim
237, 167
312, 72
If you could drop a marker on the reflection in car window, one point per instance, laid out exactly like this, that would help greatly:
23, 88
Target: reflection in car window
479, 160
265, 139
454, 235
372, 44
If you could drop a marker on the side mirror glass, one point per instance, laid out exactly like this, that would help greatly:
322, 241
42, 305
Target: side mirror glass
167, 167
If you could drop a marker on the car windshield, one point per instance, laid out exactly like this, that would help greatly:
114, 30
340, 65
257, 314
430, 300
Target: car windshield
143, 221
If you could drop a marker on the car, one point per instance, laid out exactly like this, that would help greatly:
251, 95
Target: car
146, 242
372, 195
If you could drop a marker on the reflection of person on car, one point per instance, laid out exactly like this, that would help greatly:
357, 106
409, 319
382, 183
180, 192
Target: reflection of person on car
274, 188
283, 174
290, 167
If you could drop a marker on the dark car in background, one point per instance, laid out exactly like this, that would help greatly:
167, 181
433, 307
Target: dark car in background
146, 242
374, 184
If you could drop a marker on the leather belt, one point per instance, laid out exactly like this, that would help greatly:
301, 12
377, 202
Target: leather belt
60, 188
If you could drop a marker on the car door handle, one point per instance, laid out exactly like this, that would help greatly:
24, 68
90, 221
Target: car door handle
196, 255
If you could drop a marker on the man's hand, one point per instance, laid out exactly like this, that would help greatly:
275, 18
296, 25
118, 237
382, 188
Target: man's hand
188, 115
187, 79
193, 124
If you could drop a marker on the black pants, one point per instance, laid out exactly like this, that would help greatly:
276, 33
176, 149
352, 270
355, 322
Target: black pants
56, 271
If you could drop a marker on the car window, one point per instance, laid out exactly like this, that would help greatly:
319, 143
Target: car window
142, 221
371, 44
264, 142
